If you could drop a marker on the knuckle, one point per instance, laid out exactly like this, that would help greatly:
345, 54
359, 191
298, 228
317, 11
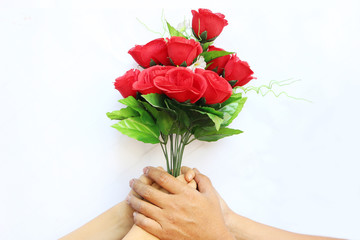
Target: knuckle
139, 207
163, 178
171, 218
146, 193
139, 221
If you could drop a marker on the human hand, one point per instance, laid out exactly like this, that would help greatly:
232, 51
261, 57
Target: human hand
187, 176
184, 213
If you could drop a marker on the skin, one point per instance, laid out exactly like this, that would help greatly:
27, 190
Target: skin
117, 222
185, 213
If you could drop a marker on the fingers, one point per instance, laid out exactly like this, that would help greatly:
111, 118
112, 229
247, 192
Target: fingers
149, 193
144, 179
192, 184
165, 180
143, 207
149, 225
203, 182
188, 172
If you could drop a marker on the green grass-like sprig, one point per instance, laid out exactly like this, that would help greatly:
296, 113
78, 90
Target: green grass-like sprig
266, 89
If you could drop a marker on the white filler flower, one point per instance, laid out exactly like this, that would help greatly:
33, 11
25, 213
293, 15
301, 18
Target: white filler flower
200, 63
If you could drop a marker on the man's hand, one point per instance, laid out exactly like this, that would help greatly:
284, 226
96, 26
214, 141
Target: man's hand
182, 213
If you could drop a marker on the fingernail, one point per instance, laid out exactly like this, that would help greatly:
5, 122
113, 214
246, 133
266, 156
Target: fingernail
146, 170
189, 177
134, 214
131, 183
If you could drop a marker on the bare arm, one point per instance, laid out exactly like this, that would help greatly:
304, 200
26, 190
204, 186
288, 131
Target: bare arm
183, 213
243, 228
186, 213
117, 222
113, 224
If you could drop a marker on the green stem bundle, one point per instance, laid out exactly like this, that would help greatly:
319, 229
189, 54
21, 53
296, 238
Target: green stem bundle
173, 146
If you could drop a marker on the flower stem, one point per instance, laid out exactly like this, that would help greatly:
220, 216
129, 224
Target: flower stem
173, 147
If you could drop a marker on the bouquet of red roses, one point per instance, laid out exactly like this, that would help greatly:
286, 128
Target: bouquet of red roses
185, 90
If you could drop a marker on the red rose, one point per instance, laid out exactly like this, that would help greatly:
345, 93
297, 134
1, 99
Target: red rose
218, 63
155, 50
183, 50
145, 82
205, 20
182, 84
238, 70
124, 83
218, 89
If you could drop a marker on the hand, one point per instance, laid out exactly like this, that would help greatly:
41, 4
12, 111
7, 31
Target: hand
187, 176
185, 213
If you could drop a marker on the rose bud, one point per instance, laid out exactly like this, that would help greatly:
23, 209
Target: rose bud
124, 83
205, 20
155, 50
238, 70
145, 82
182, 84
183, 50
219, 63
218, 89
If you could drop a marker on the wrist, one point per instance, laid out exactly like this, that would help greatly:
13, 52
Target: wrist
229, 218
228, 236
238, 226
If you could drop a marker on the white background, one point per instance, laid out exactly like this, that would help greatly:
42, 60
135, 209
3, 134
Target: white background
296, 166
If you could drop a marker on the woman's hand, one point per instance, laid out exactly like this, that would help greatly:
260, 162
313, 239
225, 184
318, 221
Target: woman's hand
183, 213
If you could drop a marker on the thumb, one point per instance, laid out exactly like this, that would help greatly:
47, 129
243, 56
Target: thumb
203, 182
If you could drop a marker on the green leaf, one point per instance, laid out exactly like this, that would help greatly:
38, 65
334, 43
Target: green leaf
203, 36
183, 118
206, 45
233, 98
210, 134
233, 82
208, 56
210, 110
181, 115
183, 64
122, 114
165, 122
152, 110
155, 99
137, 129
217, 120
215, 69
137, 106
232, 109
152, 63
173, 32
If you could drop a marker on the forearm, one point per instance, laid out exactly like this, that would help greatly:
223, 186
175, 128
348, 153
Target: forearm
113, 224
245, 229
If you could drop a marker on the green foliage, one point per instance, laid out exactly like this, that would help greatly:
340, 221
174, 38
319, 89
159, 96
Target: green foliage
154, 115
173, 32
206, 45
231, 108
155, 99
136, 128
210, 134
208, 56
165, 122
137, 106
152, 63
122, 114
